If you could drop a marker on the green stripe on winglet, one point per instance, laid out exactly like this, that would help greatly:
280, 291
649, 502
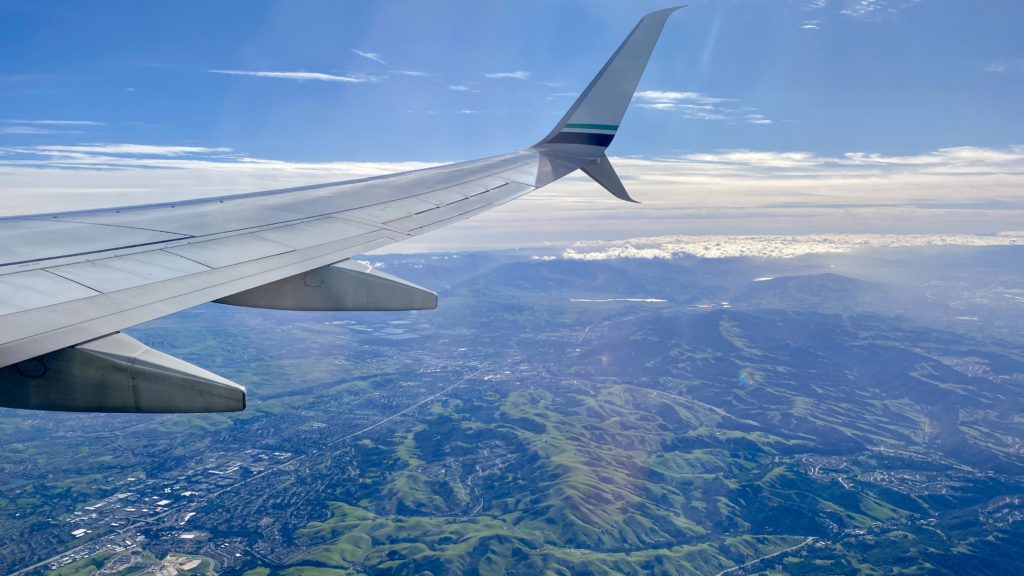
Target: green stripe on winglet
612, 127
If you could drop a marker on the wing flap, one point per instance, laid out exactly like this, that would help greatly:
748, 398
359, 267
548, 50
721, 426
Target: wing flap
382, 213
451, 194
118, 273
34, 240
414, 224
315, 232
36, 289
230, 250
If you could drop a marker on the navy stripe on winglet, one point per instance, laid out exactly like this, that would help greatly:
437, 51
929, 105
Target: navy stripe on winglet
588, 138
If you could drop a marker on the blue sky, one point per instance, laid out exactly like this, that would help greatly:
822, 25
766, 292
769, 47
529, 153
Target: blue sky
903, 77
401, 82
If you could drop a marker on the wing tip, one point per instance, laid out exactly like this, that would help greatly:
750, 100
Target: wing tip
664, 12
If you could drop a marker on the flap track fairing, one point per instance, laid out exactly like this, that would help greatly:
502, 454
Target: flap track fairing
345, 286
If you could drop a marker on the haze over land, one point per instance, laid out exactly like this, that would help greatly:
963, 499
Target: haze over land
801, 354
856, 410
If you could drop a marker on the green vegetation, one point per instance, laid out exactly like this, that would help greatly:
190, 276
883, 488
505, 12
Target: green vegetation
83, 567
596, 438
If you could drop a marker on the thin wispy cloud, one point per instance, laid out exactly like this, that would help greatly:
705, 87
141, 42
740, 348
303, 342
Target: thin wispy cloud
560, 95
461, 88
518, 75
300, 76
862, 8
1005, 65
28, 130
698, 106
675, 97
414, 73
370, 56
875, 9
124, 149
54, 122
26, 127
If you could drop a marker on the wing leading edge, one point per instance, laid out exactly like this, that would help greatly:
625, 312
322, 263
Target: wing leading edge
70, 282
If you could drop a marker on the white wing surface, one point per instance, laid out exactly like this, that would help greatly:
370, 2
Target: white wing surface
69, 282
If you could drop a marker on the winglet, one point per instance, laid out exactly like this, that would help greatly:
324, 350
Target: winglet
604, 174
595, 116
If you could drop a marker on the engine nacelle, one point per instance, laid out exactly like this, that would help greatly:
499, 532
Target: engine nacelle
116, 373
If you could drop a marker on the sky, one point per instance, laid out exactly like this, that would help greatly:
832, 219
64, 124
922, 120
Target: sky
754, 116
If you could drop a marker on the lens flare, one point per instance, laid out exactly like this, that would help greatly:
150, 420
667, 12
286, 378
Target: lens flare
745, 378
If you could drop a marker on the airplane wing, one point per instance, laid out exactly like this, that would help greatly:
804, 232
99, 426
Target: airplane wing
71, 281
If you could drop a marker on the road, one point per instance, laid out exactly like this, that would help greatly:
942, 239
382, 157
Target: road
137, 524
772, 555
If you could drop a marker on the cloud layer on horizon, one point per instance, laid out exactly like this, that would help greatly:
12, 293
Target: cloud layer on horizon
950, 190
772, 246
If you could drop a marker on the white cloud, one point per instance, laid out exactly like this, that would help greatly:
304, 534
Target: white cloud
414, 73
672, 97
39, 127
54, 122
862, 8
319, 76
809, 25
770, 246
698, 106
1005, 65
124, 149
518, 75
370, 56
467, 111
461, 88
875, 9
28, 130
755, 159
